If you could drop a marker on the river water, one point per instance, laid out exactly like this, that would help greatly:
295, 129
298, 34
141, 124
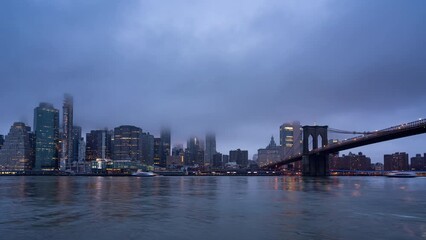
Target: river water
212, 208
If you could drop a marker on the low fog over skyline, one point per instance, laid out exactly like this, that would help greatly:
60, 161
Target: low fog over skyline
239, 68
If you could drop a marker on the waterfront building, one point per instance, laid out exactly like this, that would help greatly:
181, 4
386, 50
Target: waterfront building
396, 162
353, 162
194, 154
98, 145
46, 127
165, 146
17, 153
270, 154
210, 148
418, 163
127, 143
147, 144
240, 157
67, 131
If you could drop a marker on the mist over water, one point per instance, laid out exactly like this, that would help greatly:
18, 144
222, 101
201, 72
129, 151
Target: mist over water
212, 208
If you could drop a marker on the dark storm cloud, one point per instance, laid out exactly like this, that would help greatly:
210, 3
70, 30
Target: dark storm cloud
240, 68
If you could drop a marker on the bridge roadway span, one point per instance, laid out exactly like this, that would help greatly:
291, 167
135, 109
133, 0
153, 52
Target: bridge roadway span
400, 131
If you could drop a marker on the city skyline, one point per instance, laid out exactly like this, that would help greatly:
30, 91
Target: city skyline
165, 133
198, 68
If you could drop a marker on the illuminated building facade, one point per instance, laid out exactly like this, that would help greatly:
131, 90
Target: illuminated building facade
98, 145
46, 127
396, 162
67, 139
127, 143
291, 138
17, 153
291, 141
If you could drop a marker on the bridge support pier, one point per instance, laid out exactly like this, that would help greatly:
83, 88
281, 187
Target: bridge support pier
315, 166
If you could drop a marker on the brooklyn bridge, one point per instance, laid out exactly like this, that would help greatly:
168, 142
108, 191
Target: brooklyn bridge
316, 148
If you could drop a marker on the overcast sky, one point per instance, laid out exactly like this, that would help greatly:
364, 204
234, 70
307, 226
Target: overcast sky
239, 68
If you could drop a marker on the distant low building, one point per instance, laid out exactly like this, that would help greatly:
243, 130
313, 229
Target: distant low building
418, 163
378, 166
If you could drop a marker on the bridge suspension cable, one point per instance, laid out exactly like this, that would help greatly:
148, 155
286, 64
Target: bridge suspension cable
347, 132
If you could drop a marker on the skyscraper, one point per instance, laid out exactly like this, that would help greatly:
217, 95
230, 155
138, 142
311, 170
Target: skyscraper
291, 138
291, 141
147, 144
210, 148
98, 145
67, 140
76, 137
17, 152
194, 154
127, 143
46, 127
165, 146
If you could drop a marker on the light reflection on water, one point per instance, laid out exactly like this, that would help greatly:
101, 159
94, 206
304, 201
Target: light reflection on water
212, 208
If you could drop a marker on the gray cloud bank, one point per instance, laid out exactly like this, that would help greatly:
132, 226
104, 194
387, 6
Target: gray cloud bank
240, 68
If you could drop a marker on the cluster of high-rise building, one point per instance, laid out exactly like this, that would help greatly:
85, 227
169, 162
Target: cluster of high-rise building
60, 146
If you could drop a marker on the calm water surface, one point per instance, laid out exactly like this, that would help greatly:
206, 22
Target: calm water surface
212, 208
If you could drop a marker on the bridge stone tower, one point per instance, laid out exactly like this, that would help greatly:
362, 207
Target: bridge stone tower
314, 164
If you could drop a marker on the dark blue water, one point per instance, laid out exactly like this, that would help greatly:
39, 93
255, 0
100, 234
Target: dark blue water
212, 208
